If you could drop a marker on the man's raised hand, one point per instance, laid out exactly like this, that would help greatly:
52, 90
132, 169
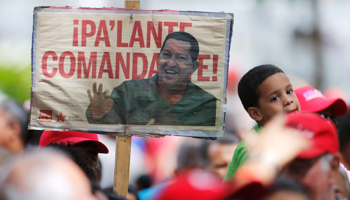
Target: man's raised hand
100, 103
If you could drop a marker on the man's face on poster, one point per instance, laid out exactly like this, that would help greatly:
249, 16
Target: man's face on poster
175, 65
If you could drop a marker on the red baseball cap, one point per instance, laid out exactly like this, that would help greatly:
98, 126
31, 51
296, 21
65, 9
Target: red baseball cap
49, 137
204, 185
312, 100
321, 131
195, 184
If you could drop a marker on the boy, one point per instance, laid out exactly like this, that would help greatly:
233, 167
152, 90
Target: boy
264, 91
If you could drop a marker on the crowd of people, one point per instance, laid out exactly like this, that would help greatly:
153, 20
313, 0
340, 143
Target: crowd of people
298, 148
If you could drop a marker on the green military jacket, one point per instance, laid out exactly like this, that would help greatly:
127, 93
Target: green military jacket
138, 102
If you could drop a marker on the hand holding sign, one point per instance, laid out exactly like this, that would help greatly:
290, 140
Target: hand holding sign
100, 103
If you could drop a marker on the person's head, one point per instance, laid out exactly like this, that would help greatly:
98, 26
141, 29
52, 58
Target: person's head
188, 157
217, 154
177, 60
265, 91
13, 126
144, 181
312, 100
43, 175
317, 175
342, 186
316, 167
82, 147
286, 189
84, 159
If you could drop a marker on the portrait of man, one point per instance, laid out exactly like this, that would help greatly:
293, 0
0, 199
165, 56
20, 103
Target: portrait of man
167, 98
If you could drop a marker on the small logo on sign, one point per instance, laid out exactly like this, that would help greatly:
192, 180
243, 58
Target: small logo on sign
45, 116
60, 117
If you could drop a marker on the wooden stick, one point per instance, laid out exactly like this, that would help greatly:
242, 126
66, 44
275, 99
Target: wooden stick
122, 165
123, 147
132, 4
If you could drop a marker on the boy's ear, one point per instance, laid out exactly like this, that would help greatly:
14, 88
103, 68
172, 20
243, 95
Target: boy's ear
255, 113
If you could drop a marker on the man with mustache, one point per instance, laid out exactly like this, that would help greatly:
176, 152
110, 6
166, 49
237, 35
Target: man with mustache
168, 98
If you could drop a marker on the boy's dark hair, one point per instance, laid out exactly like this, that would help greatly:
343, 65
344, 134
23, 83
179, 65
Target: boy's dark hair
248, 86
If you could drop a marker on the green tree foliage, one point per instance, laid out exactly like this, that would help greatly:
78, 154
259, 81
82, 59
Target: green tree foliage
16, 83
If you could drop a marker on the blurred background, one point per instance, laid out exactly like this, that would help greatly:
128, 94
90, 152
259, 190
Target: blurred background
308, 39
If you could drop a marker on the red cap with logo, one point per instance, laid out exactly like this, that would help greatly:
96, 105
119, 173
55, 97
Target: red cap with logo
322, 133
49, 137
312, 100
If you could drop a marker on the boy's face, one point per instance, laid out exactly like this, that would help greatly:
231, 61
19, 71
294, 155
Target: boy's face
276, 96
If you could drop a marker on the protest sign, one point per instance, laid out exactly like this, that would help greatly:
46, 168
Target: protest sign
109, 70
